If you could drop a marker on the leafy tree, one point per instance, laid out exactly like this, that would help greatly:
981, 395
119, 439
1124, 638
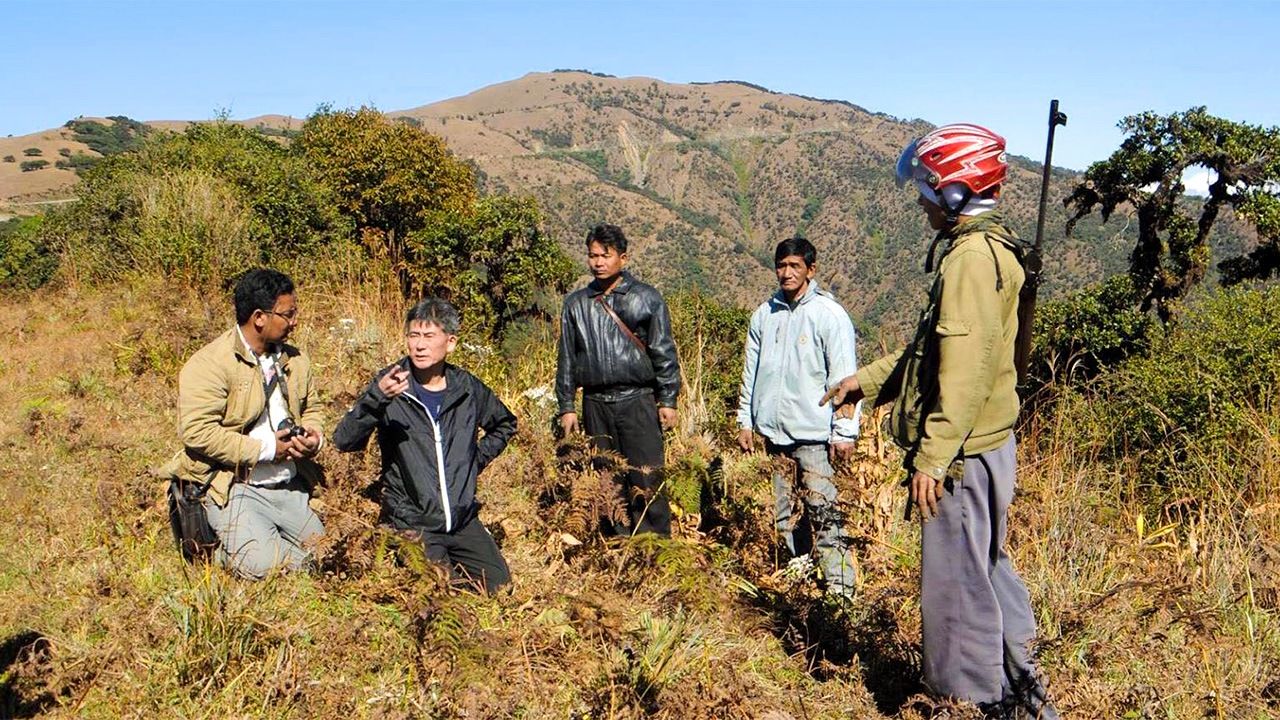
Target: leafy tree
206, 203
493, 262
1262, 208
31, 165
389, 177
1172, 252
33, 152
202, 204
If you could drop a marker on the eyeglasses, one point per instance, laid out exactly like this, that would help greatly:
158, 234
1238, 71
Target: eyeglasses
289, 316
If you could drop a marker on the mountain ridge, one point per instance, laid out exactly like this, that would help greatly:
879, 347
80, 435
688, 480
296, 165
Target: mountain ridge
706, 178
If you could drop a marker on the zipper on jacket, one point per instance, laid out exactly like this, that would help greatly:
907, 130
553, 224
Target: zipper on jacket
444, 490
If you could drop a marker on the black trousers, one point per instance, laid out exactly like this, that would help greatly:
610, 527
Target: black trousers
470, 554
630, 428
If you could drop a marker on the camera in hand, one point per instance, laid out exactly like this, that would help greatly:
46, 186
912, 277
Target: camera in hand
294, 430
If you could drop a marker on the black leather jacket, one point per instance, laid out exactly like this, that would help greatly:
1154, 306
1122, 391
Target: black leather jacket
597, 356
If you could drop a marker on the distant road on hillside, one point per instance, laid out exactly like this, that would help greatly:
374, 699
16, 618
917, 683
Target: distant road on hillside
6, 216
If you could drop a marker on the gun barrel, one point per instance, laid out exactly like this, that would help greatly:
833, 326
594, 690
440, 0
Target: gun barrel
1055, 119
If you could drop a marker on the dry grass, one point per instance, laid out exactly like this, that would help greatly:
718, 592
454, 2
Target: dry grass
1144, 612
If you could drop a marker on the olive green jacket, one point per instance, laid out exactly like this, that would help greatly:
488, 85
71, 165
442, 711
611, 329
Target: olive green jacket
955, 383
220, 397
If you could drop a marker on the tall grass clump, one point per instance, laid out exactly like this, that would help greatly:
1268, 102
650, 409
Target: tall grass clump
185, 225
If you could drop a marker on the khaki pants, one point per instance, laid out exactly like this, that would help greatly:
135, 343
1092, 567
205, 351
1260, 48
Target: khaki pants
264, 529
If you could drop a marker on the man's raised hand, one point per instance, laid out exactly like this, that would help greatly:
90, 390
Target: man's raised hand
394, 382
844, 397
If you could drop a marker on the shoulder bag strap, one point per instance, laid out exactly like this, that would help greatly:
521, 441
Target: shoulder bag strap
621, 325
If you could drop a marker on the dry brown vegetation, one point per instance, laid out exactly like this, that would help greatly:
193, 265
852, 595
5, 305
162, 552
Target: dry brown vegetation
1164, 611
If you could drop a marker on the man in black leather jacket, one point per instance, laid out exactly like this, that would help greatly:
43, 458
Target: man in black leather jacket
615, 344
427, 413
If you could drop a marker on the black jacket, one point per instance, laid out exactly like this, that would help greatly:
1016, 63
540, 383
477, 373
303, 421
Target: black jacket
597, 356
413, 496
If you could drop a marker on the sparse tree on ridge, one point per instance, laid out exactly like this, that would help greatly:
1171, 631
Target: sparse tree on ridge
1172, 252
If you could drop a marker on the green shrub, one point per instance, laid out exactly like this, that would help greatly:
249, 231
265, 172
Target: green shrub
122, 135
78, 162
355, 191
295, 210
26, 262
1197, 390
33, 165
9, 158
709, 337
32, 152
494, 263
1094, 329
553, 138
183, 223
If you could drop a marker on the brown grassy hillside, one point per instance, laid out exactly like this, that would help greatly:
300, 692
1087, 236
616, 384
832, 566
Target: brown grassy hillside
707, 178
18, 187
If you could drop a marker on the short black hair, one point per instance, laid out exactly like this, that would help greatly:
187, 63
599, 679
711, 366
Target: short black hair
608, 236
796, 246
258, 289
434, 310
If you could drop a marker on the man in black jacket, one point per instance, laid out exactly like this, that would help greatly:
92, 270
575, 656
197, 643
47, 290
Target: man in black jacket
615, 344
427, 412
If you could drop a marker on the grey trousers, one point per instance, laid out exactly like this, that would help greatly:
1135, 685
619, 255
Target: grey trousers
830, 545
977, 619
262, 529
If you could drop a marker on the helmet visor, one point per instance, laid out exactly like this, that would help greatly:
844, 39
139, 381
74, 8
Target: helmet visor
908, 167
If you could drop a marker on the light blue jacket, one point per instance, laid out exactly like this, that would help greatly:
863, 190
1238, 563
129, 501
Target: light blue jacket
793, 355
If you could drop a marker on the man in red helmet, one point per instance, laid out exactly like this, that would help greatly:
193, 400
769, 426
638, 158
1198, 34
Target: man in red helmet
956, 403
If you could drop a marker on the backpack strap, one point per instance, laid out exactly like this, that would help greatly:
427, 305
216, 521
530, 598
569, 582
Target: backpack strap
996, 260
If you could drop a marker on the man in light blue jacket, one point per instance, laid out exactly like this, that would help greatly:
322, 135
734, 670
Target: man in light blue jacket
800, 342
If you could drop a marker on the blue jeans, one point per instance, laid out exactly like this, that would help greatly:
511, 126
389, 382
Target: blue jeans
825, 521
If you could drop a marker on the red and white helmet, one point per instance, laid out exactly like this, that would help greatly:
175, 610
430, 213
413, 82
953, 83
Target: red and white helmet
970, 157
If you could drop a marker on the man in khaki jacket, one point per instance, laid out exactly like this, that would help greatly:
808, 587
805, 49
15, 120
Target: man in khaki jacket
956, 404
250, 426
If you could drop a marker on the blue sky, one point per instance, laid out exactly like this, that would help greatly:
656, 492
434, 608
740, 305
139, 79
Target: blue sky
995, 63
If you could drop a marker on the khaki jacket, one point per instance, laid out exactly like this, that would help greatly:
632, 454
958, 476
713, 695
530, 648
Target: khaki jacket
955, 383
220, 396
